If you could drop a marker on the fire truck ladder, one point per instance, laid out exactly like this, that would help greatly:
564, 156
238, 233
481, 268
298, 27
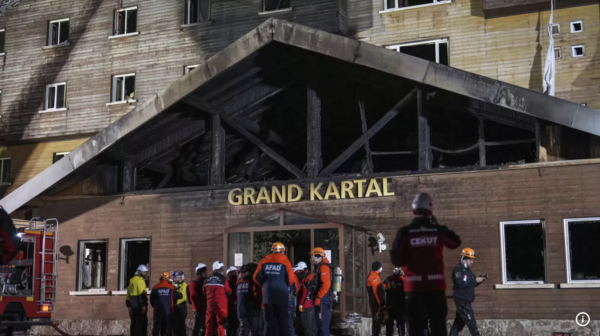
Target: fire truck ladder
49, 256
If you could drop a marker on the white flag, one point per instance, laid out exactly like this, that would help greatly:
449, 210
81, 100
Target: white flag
550, 68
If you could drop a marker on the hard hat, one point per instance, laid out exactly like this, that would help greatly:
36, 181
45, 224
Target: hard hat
231, 269
142, 268
178, 274
200, 266
318, 251
218, 265
468, 253
422, 201
397, 270
278, 247
300, 266
165, 275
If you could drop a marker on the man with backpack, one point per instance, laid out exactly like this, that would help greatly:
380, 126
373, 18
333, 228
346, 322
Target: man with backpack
322, 293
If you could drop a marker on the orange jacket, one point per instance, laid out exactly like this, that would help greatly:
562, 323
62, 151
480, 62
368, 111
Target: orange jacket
275, 273
324, 283
376, 288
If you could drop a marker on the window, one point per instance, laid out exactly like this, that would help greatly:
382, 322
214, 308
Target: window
92, 265
583, 255
2, 40
273, 5
523, 252
577, 26
134, 252
557, 53
578, 50
56, 96
197, 11
58, 156
435, 51
4, 170
556, 29
397, 4
189, 68
58, 32
123, 88
125, 21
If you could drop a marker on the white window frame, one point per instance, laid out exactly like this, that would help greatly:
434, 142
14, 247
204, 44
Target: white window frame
189, 68
50, 32
559, 29
2, 170
116, 30
559, 53
572, 24
566, 222
55, 86
396, 8
188, 13
59, 153
124, 241
81, 259
113, 94
573, 50
437, 43
503, 251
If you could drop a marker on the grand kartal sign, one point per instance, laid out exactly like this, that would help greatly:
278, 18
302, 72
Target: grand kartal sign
361, 188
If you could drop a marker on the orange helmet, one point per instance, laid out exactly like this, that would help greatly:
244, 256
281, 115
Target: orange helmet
165, 275
318, 251
468, 253
278, 247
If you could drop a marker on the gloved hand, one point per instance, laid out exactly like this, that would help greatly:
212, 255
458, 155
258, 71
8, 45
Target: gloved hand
300, 308
317, 302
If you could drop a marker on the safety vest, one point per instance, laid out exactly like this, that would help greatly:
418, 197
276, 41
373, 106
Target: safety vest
182, 288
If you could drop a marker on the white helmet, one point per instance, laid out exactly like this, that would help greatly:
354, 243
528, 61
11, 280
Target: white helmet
218, 265
142, 268
231, 269
422, 201
300, 266
200, 265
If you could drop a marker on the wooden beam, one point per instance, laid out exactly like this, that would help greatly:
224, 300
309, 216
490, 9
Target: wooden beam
335, 164
482, 162
127, 176
502, 119
363, 121
538, 141
425, 156
217, 157
313, 131
197, 103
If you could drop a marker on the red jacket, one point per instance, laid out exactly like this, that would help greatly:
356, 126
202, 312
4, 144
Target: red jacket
216, 289
196, 296
304, 299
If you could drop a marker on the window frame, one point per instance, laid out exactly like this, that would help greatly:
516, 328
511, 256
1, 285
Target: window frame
437, 43
503, 251
113, 89
49, 37
80, 244
188, 68
54, 160
2, 159
573, 50
116, 29
433, 3
572, 27
187, 16
122, 283
560, 56
3, 49
559, 29
55, 86
566, 222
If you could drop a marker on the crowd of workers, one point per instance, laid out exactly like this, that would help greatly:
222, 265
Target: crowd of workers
263, 299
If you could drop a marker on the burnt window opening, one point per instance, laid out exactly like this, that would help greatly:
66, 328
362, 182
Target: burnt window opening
125, 21
58, 32
435, 51
272, 5
5, 170
2, 40
197, 11
583, 255
578, 50
58, 156
134, 252
452, 134
92, 265
577, 26
523, 252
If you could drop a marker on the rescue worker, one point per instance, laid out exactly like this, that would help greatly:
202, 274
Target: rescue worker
322, 292
275, 274
376, 290
248, 301
217, 289
293, 289
162, 299
137, 302
307, 315
395, 302
232, 318
180, 311
9, 241
197, 298
464, 283
418, 249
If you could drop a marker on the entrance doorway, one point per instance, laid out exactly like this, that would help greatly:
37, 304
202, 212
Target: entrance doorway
345, 247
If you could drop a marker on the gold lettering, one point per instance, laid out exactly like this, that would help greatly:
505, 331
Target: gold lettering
315, 191
347, 188
291, 187
332, 190
263, 195
235, 196
385, 188
276, 196
249, 195
360, 187
373, 188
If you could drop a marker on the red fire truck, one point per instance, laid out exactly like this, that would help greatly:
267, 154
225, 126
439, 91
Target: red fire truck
28, 282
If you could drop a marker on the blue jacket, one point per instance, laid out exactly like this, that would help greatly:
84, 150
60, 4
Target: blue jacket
275, 274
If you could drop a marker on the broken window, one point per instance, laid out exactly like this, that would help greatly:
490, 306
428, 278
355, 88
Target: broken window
435, 51
58, 156
583, 256
272, 5
197, 11
92, 265
578, 50
134, 252
4, 170
125, 21
58, 32
577, 26
2, 40
55, 96
123, 88
189, 68
396, 4
523, 252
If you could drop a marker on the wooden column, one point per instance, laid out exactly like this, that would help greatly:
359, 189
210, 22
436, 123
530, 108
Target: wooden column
538, 141
128, 176
313, 131
482, 162
425, 156
217, 158
551, 142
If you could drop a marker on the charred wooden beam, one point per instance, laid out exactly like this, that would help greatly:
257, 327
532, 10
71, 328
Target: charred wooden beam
217, 157
166, 169
363, 121
127, 171
335, 164
164, 181
456, 151
478, 146
502, 119
395, 153
256, 129
482, 162
313, 131
425, 156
